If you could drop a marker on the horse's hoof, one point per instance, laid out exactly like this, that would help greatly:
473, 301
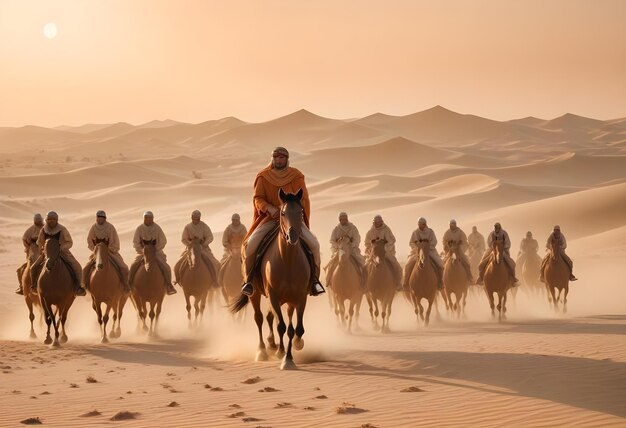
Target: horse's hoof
47, 341
104, 340
33, 335
272, 346
280, 353
145, 328
63, 338
287, 364
385, 330
56, 344
261, 355
298, 343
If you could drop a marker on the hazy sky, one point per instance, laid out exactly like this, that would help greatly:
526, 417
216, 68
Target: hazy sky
138, 60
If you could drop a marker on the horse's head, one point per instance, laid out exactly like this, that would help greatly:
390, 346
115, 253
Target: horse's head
33, 250
344, 243
235, 244
101, 252
498, 248
149, 253
554, 248
378, 248
291, 216
194, 253
52, 249
453, 250
423, 248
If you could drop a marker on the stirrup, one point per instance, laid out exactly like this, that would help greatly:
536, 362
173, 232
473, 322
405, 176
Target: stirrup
572, 277
170, 289
247, 289
80, 291
317, 289
19, 291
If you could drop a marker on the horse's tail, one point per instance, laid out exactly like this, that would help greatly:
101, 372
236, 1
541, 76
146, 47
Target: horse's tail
239, 304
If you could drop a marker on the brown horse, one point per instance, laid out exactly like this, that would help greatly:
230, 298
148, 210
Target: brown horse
55, 288
285, 279
148, 288
231, 274
346, 282
106, 288
195, 280
530, 274
380, 285
497, 278
423, 281
23, 274
455, 279
556, 274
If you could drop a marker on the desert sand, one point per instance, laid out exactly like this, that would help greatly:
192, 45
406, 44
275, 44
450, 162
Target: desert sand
538, 368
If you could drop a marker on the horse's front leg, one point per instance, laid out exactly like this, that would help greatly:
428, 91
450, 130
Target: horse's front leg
281, 327
287, 363
271, 339
261, 354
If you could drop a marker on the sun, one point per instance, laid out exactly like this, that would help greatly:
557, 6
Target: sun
50, 30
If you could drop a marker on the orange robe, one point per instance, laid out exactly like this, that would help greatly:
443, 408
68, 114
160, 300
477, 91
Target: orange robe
266, 186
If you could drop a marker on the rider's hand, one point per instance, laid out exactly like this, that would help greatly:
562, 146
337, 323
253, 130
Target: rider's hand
272, 211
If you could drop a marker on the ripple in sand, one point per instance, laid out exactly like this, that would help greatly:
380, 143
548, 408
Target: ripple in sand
252, 380
283, 405
123, 416
31, 421
173, 404
236, 415
90, 414
251, 419
321, 397
235, 406
268, 389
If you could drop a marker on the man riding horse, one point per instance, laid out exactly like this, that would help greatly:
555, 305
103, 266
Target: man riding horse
346, 230
497, 234
54, 230
266, 211
198, 230
30, 236
561, 245
150, 231
104, 231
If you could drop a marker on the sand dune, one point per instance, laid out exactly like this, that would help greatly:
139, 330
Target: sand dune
536, 369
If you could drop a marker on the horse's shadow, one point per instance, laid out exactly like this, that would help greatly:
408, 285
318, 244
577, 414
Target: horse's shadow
573, 381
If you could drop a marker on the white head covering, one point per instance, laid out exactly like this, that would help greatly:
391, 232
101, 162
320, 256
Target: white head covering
37, 216
378, 217
52, 214
235, 217
196, 213
453, 221
101, 213
343, 213
557, 227
421, 220
148, 214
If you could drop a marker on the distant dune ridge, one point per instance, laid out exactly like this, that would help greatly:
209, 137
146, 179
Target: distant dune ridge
529, 174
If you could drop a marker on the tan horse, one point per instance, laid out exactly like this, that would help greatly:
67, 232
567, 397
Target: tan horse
285, 279
346, 282
380, 285
455, 279
106, 288
497, 278
530, 274
556, 274
195, 280
149, 288
423, 282
55, 288
23, 274
231, 274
